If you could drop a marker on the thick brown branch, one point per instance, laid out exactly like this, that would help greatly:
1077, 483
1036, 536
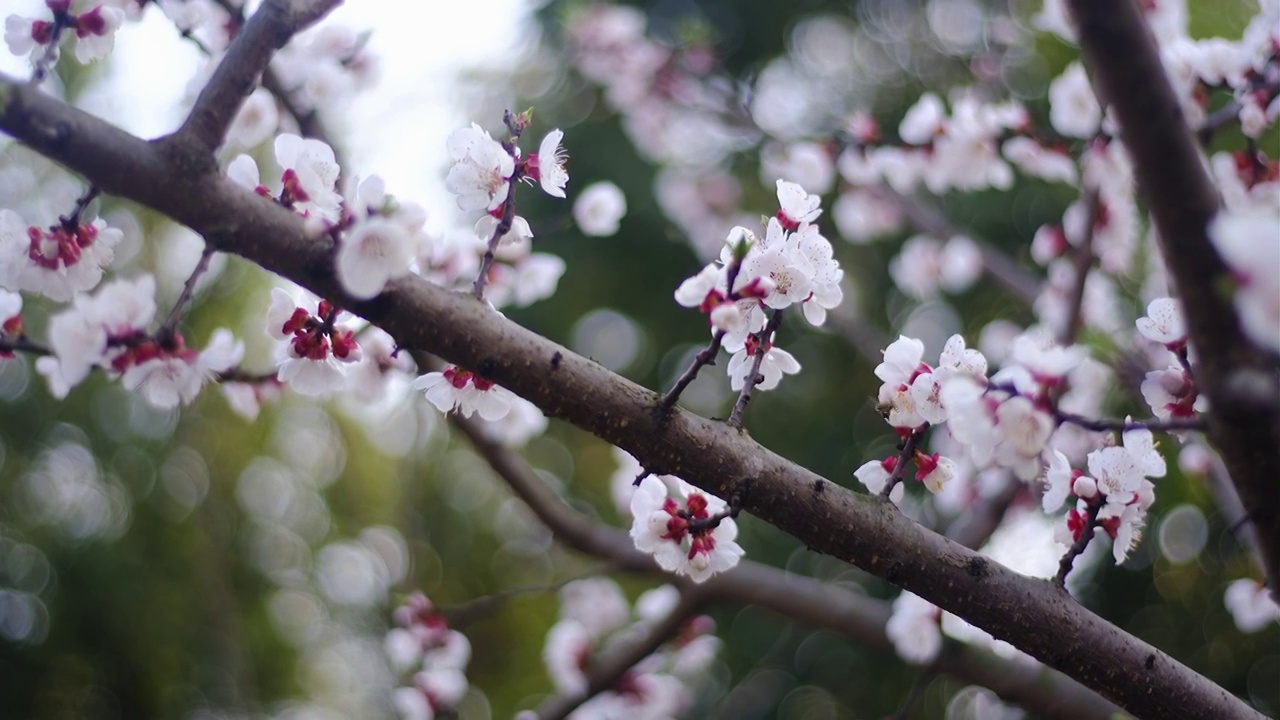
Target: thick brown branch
1241, 382
239, 70
1029, 613
859, 618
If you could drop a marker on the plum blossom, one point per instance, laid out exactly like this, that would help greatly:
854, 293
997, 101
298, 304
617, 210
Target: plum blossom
317, 346
57, 262
482, 169
176, 374
423, 639
875, 474
1163, 323
1172, 393
372, 253
308, 181
94, 30
1250, 605
673, 527
547, 166
1248, 243
1058, 479
796, 205
776, 363
599, 208
96, 331
913, 629
1073, 108
466, 392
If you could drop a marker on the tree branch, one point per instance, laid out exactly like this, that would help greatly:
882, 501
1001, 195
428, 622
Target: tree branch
1241, 382
1029, 613
275, 22
605, 674
859, 618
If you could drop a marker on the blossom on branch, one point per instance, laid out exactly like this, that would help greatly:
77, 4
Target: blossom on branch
686, 532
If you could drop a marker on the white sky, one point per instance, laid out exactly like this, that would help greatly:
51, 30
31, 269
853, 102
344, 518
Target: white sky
396, 129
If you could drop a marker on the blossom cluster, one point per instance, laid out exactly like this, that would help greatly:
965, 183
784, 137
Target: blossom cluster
792, 265
94, 30
688, 531
437, 656
595, 619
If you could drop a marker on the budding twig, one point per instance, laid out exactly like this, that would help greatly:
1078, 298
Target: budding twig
1082, 542
753, 378
900, 467
188, 291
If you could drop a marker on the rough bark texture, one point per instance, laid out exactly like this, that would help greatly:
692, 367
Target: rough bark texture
1241, 382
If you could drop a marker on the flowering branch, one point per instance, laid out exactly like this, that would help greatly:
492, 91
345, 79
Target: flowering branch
708, 355
1082, 542
609, 671
170, 324
270, 28
1155, 424
854, 616
907, 452
1084, 258
1241, 381
753, 379
1028, 613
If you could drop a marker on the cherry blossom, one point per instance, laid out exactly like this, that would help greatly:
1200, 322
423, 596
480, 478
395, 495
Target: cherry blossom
599, 208
666, 527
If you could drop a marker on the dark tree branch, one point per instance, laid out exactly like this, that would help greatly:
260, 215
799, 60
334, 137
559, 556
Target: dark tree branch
905, 454
1031, 614
275, 22
606, 673
859, 618
1241, 382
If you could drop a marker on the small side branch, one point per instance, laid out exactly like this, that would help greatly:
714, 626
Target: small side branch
170, 325
754, 378
606, 674
1082, 542
268, 30
904, 456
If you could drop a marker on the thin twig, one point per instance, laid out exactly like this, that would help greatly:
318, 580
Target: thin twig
1083, 263
1198, 423
766, 339
503, 227
170, 324
22, 344
706, 356
606, 673
72, 221
40, 70
464, 613
1082, 542
904, 455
